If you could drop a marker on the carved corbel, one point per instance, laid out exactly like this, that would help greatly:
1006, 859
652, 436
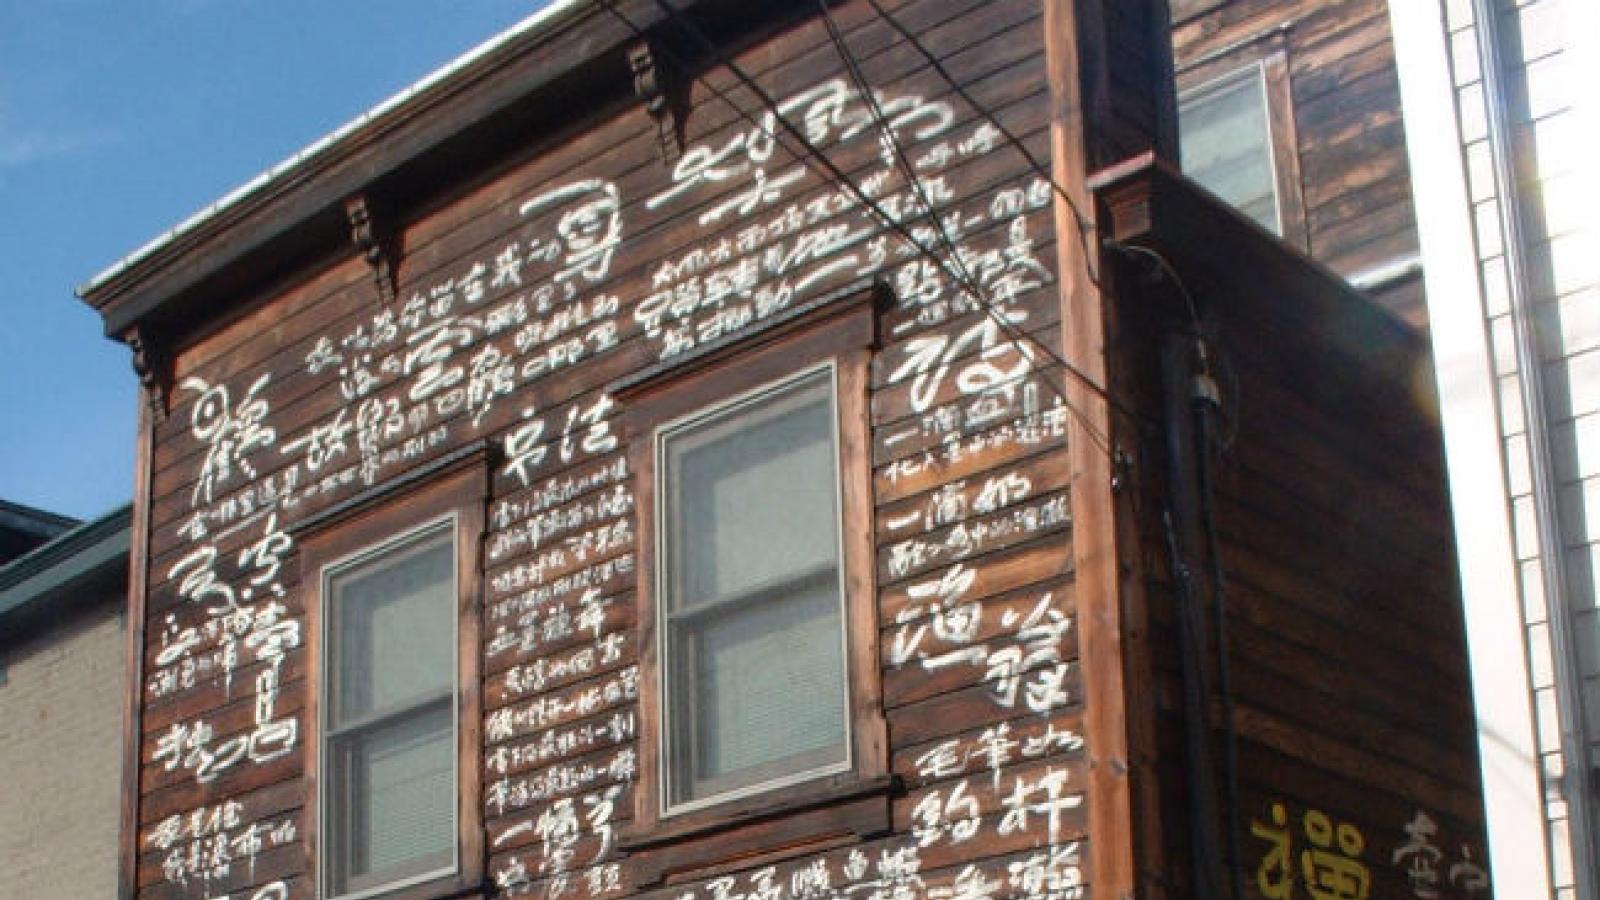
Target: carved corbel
151, 364
372, 239
658, 88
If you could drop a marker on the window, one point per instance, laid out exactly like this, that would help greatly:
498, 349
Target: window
751, 611
394, 576
1236, 138
1227, 148
388, 742
760, 678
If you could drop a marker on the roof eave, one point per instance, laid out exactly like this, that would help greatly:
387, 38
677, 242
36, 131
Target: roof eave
274, 203
50, 573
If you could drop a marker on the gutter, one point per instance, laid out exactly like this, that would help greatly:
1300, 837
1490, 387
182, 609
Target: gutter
49, 572
1388, 273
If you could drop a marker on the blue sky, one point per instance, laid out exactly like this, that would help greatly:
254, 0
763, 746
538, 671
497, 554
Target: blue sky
118, 120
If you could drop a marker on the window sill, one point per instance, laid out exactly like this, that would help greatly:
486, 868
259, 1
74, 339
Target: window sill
447, 886
813, 815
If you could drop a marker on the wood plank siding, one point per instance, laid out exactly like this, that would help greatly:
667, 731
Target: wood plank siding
632, 223
1354, 209
1336, 672
508, 326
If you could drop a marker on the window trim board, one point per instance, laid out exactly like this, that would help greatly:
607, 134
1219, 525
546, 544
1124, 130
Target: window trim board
659, 436
844, 330
326, 734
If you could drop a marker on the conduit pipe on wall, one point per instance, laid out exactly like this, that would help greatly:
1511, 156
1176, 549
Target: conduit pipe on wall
1181, 525
1530, 382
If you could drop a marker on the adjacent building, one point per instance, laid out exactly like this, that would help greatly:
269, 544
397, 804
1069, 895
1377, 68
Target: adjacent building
62, 674
1501, 127
1445, 143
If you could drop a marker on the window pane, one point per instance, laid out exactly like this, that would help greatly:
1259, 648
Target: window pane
1227, 145
767, 690
394, 635
754, 658
397, 786
755, 491
390, 785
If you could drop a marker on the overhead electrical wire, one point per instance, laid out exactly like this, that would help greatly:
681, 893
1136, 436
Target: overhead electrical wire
839, 177
954, 265
908, 171
1205, 400
956, 268
1085, 225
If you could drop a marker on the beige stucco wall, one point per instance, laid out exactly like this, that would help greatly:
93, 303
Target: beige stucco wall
60, 755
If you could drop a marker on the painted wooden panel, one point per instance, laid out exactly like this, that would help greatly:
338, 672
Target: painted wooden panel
527, 291
519, 303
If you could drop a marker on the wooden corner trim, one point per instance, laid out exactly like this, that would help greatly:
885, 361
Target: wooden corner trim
1076, 86
132, 712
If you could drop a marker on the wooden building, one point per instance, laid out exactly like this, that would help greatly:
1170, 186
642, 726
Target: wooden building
837, 458
1446, 143
1295, 106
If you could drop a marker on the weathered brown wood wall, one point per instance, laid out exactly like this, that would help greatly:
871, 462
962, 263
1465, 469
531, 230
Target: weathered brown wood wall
508, 327
1345, 92
1350, 702
528, 287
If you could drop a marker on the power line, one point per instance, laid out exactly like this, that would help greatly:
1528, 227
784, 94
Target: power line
908, 171
841, 178
1084, 225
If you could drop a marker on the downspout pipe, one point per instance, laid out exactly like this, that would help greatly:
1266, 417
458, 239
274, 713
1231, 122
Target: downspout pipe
1578, 780
1181, 527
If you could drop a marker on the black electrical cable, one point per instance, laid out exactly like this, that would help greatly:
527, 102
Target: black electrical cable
841, 178
908, 171
1204, 408
770, 103
1085, 226
1166, 269
1206, 402
1190, 641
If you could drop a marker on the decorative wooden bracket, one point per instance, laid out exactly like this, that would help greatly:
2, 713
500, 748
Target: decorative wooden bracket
152, 365
661, 92
370, 236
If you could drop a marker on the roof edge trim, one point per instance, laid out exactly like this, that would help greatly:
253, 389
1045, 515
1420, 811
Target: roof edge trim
548, 16
82, 551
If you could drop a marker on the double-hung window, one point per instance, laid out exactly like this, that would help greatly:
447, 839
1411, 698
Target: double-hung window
1226, 145
394, 762
760, 687
388, 747
751, 612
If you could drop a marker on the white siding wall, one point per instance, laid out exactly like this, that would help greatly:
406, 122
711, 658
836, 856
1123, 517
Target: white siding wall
1548, 78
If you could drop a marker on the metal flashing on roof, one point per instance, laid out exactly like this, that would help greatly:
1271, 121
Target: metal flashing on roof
31, 520
548, 16
49, 572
